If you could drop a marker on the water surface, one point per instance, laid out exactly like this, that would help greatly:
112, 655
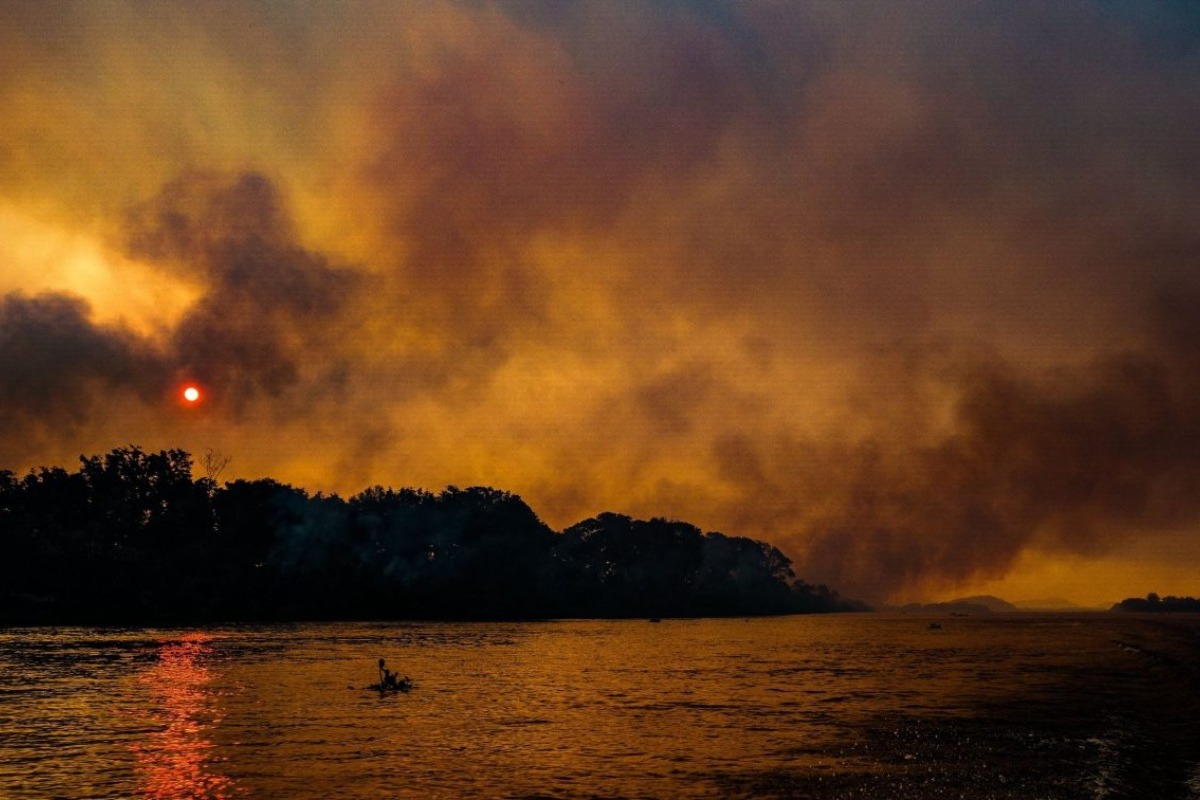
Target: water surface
817, 706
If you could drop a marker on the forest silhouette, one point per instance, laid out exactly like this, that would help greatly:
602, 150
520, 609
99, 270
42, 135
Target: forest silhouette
133, 537
1152, 603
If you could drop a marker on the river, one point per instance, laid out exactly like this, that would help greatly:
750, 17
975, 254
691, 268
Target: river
828, 706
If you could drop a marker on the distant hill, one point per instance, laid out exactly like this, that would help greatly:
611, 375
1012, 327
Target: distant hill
991, 602
1052, 604
979, 604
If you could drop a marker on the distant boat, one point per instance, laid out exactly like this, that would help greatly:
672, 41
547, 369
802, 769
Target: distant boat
405, 686
656, 619
390, 681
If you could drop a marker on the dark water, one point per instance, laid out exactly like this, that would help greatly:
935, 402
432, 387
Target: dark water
822, 707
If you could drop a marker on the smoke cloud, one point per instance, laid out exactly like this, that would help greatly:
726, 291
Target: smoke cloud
268, 304
56, 365
908, 291
265, 310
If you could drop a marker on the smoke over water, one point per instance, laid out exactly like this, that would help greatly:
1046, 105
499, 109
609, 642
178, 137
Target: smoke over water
1077, 460
910, 292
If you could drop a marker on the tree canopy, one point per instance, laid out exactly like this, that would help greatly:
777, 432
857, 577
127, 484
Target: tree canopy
1154, 604
132, 536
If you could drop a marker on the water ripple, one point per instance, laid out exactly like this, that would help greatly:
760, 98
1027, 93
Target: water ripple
792, 707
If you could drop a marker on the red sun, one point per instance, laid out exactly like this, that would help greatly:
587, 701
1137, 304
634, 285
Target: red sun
191, 395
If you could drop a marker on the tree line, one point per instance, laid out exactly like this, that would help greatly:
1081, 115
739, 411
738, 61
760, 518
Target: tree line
132, 536
1153, 603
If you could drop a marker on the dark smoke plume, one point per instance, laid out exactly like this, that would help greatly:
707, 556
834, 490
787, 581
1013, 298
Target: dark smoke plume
1075, 461
57, 366
267, 308
269, 305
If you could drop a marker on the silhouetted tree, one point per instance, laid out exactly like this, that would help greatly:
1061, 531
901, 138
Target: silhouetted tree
625, 567
133, 536
1153, 603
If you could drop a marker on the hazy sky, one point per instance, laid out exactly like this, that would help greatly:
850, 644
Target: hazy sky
911, 290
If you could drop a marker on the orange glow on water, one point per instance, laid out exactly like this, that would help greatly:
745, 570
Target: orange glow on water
177, 760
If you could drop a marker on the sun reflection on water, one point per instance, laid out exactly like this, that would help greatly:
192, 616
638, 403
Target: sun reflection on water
177, 760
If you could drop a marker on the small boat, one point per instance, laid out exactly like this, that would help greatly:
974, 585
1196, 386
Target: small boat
390, 682
404, 685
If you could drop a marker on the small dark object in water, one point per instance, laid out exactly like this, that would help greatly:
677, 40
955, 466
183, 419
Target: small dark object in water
656, 619
390, 681
404, 685
935, 626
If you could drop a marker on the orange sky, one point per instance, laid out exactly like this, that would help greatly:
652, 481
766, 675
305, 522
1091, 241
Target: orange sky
908, 290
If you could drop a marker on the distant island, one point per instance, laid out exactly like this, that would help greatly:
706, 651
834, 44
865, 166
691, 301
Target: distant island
990, 604
981, 604
1153, 603
1053, 604
132, 537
